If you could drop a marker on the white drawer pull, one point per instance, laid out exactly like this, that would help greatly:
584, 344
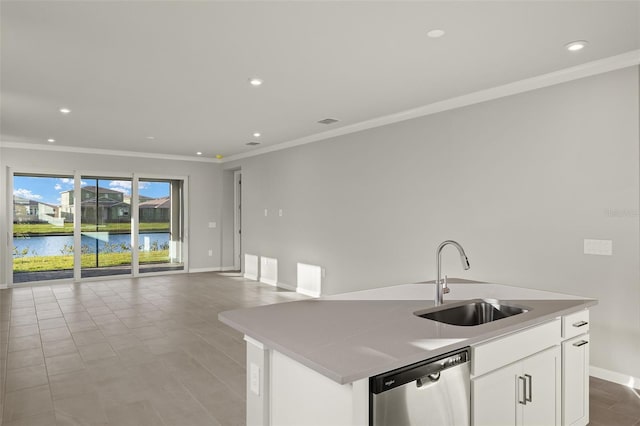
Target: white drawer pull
580, 343
580, 323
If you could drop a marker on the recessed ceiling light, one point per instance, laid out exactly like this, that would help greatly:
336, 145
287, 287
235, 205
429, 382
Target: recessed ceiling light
151, 137
65, 110
51, 140
574, 46
255, 81
198, 153
435, 33
256, 135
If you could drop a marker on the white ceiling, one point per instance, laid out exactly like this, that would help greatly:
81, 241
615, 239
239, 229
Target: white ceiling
178, 70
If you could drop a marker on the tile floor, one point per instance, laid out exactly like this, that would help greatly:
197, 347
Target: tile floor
146, 351
151, 351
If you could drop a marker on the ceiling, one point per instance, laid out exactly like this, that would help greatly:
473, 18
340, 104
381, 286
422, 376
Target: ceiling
171, 77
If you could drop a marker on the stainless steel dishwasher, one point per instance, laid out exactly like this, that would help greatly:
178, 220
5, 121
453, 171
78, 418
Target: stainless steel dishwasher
434, 392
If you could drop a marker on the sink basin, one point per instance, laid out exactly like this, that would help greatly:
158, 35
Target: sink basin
471, 312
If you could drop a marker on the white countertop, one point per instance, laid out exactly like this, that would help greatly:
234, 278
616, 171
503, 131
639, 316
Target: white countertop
351, 336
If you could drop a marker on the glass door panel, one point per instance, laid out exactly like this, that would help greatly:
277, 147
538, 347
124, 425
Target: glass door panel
42, 227
105, 206
160, 227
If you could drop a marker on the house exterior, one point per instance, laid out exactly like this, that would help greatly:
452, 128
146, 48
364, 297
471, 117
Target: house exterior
98, 205
108, 206
34, 211
155, 210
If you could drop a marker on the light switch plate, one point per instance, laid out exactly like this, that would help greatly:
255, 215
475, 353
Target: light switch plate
598, 247
212, 224
254, 376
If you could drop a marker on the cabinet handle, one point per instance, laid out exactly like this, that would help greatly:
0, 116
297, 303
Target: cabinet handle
530, 380
580, 343
523, 401
580, 323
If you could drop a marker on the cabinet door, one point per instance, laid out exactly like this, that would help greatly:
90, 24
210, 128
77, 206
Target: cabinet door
575, 381
494, 397
542, 374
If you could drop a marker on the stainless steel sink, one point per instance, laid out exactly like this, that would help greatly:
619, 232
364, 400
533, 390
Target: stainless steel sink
471, 312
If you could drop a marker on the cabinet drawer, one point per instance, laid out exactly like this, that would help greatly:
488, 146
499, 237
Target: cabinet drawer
575, 324
505, 350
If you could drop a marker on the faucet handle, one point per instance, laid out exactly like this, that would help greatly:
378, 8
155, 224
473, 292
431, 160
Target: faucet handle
445, 288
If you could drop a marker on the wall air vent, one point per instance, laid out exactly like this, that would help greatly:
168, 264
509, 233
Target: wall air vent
328, 121
252, 143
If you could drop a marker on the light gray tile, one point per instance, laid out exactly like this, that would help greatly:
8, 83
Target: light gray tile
54, 334
74, 327
88, 337
26, 377
27, 402
26, 358
80, 410
96, 351
43, 419
64, 363
139, 413
23, 343
59, 347
68, 385
47, 324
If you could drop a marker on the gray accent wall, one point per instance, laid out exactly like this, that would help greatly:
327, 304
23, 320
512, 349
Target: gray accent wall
519, 181
205, 191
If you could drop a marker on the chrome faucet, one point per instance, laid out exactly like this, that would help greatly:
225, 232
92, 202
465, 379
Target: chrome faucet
441, 286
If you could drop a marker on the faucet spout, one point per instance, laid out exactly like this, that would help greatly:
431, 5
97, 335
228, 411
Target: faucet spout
441, 286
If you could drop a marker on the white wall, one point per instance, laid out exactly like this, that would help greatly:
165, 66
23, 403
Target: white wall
205, 190
519, 181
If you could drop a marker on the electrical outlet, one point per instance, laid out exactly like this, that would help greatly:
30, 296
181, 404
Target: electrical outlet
210, 252
280, 212
212, 224
266, 212
598, 247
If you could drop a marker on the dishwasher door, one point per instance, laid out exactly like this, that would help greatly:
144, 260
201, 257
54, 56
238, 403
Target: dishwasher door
430, 393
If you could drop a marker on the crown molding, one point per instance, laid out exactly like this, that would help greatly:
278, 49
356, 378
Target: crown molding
588, 69
80, 150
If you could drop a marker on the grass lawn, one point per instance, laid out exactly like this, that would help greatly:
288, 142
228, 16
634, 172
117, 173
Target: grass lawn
48, 229
54, 263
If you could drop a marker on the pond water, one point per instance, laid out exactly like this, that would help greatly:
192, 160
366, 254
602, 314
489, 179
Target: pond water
55, 245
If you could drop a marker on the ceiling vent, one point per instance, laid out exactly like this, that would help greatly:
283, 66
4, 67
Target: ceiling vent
328, 121
252, 143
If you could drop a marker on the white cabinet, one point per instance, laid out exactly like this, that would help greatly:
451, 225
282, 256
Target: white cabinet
523, 393
575, 369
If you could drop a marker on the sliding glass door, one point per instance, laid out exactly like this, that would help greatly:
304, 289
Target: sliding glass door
105, 225
160, 226
42, 228
84, 226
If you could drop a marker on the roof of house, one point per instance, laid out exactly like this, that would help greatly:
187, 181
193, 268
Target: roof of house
156, 203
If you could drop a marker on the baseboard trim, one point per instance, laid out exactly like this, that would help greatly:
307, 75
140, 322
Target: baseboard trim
228, 268
615, 377
286, 286
269, 281
307, 292
3, 286
199, 270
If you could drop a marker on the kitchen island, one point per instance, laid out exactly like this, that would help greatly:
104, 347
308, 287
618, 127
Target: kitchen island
309, 362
